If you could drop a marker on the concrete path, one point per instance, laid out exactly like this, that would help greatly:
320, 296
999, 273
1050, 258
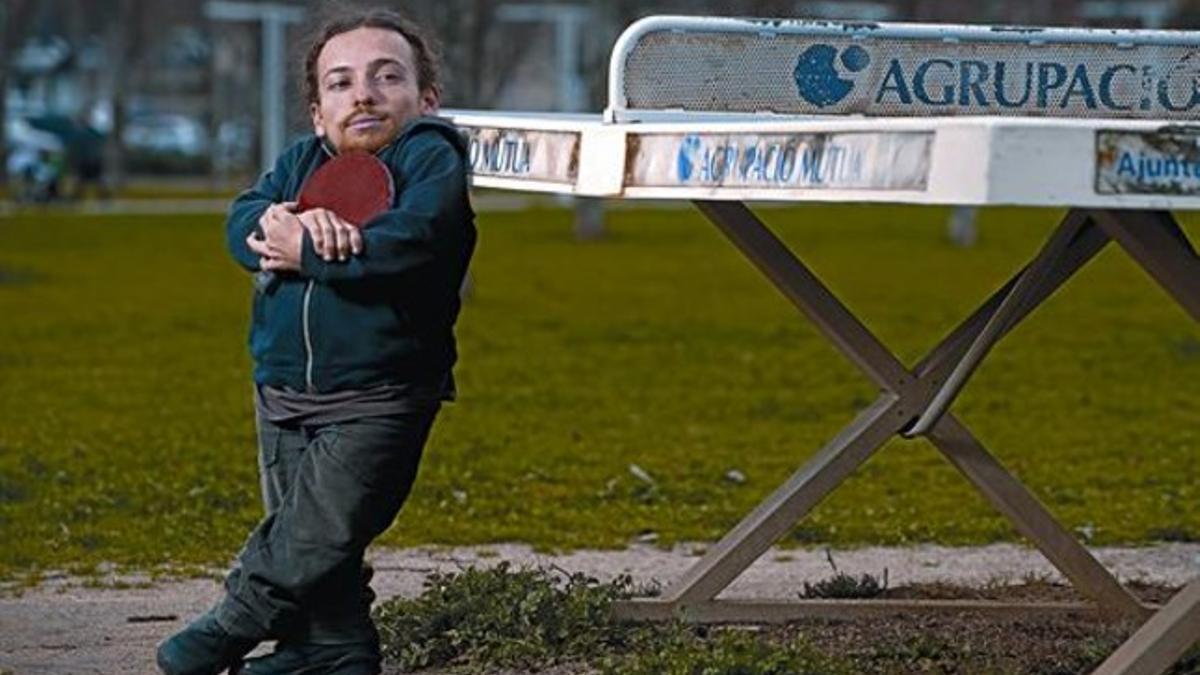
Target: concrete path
64, 627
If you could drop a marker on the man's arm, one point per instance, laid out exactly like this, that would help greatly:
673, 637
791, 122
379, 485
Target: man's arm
424, 222
247, 210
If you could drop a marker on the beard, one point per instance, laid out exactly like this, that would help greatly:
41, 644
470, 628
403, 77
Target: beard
367, 140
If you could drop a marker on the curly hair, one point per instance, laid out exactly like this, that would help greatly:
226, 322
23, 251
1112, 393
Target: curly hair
343, 18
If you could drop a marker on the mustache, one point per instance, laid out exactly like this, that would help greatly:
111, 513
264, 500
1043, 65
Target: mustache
360, 113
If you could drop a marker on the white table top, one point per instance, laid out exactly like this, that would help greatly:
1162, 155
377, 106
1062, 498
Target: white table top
931, 160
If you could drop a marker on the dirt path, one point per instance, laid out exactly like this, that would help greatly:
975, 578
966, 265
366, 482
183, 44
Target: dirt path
65, 627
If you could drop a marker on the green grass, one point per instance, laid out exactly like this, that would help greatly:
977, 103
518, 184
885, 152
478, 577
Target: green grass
126, 430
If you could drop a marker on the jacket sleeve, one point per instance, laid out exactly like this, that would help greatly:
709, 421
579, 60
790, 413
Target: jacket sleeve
249, 207
425, 222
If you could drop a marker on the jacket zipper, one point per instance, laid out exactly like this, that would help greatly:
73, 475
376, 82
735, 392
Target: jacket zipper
308, 347
308, 289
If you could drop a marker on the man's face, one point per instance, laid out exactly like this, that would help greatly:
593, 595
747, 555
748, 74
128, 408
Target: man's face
367, 89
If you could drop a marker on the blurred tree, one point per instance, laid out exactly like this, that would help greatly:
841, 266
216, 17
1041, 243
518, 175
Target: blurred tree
125, 32
770, 8
133, 31
1049, 12
1187, 15
123, 38
16, 17
134, 35
480, 60
1061, 12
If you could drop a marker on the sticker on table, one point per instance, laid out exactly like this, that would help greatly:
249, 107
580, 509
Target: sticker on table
854, 160
523, 154
1163, 162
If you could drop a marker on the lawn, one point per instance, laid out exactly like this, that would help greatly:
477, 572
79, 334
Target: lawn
126, 428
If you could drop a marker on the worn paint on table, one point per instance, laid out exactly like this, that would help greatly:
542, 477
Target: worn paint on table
1166, 161
855, 160
911, 70
526, 154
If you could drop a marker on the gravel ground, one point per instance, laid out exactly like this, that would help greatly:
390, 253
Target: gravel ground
66, 626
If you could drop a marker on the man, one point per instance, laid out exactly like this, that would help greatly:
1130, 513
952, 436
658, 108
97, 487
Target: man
352, 339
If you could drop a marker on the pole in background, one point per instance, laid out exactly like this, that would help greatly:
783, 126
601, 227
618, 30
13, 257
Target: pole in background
569, 23
274, 20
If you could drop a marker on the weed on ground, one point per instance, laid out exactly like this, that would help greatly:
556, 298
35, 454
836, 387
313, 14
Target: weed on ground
502, 620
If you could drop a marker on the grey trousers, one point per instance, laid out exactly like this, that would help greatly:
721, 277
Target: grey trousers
328, 491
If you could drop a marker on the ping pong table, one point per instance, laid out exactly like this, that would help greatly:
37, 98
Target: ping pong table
723, 111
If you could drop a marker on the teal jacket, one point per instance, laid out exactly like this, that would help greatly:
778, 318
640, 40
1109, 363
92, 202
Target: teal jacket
385, 316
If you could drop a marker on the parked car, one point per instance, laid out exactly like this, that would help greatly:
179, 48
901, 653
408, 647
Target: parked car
166, 133
166, 143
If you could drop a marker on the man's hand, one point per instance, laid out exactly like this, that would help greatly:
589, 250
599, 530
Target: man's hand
279, 248
283, 235
332, 237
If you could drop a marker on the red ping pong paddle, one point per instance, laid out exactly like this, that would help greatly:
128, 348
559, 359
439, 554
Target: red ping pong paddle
357, 186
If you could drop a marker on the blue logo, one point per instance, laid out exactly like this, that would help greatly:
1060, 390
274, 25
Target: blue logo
768, 161
685, 161
817, 77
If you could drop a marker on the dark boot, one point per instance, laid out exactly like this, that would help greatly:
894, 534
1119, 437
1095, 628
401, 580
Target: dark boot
203, 648
314, 659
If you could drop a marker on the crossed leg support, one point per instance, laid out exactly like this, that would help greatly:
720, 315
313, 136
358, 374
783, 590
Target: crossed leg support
1157, 243
916, 402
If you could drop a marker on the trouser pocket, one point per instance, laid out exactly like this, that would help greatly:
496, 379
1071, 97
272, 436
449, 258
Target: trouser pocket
347, 487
